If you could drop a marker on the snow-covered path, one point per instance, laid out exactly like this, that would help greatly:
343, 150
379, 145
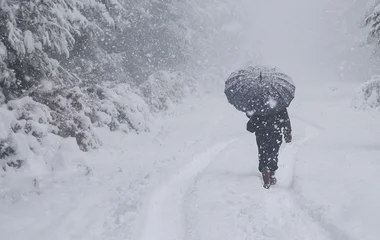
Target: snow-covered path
165, 218
215, 197
196, 178
231, 191
219, 194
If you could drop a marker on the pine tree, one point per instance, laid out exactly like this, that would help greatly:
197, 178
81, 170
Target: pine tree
37, 35
373, 22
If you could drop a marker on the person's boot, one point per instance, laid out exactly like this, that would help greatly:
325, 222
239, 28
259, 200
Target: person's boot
273, 179
266, 173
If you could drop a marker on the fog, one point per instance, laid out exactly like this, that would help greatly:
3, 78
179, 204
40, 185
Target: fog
312, 40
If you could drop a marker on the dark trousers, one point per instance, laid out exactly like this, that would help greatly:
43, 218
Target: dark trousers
268, 144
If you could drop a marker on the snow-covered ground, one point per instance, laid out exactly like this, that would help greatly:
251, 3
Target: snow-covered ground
196, 177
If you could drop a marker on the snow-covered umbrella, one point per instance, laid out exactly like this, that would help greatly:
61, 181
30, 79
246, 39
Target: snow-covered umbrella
259, 90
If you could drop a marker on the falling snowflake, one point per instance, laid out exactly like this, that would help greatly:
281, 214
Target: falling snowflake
250, 113
271, 102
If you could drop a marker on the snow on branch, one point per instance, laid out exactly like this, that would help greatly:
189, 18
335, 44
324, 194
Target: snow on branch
368, 95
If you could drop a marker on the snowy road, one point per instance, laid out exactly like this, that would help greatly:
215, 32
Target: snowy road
219, 194
165, 218
196, 178
215, 197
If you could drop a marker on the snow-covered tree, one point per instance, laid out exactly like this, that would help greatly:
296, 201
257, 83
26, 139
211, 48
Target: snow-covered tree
67, 66
37, 35
368, 94
147, 42
373, 21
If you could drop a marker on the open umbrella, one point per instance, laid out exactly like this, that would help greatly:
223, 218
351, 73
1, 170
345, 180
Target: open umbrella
259, 90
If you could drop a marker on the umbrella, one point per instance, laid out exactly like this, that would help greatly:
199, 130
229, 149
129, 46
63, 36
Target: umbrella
259, 90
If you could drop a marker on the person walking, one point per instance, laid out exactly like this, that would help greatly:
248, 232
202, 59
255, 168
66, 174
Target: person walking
269, 131
264, 94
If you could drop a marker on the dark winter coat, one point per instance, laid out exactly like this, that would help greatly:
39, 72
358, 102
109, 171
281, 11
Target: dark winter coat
277, 124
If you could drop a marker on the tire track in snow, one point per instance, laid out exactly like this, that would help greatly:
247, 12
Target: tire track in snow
290, 152
244, 210
314, 130
165, 215
229, 202
285, 195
